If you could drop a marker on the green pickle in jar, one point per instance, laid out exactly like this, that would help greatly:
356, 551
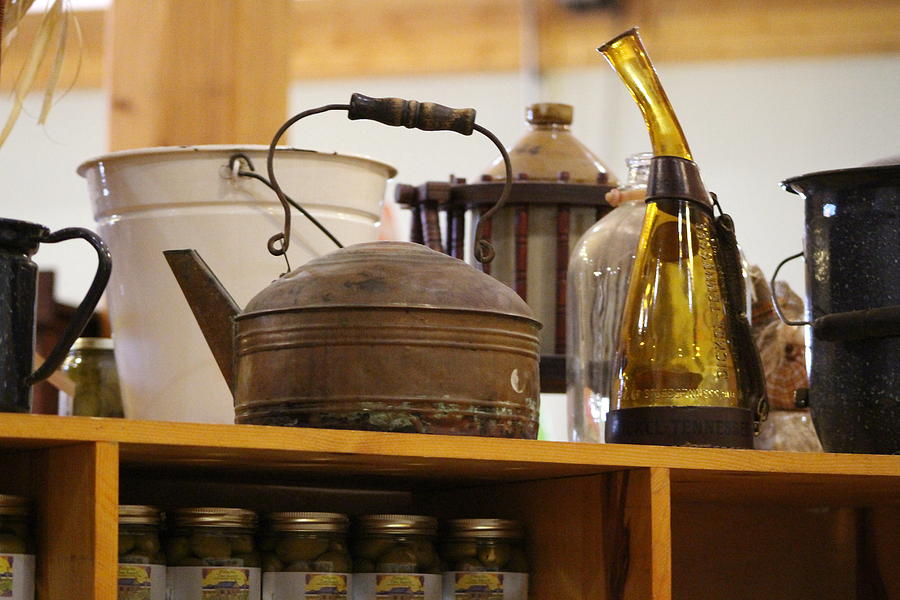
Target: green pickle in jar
305, 554
142, 564
484, 556
210, 549
91, 365
17, 560
395, 555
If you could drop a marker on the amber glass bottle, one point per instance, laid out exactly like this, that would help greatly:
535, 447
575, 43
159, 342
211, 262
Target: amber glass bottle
677, 371
674, 342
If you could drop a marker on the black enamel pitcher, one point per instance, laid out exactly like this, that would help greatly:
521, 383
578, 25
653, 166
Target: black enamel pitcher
19, 241
852, 253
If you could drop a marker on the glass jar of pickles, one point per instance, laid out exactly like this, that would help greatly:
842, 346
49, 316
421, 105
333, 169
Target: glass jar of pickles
395, 555
91, 365
484, 558
209, 550
142, 565
305, 554
16, 548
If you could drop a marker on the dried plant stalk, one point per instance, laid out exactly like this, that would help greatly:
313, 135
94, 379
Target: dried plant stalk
11, 13
53, 30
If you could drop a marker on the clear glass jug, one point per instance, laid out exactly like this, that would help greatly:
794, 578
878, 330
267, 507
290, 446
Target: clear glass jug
598, 275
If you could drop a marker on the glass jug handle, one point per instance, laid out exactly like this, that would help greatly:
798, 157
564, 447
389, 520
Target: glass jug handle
86, 309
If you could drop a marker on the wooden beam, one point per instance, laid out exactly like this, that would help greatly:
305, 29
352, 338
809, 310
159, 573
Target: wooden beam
394, 37
78, 498
83, 63
697, 30
197, 72
365, 38
648, 522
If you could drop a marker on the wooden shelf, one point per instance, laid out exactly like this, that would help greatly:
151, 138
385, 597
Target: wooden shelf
151, 442
650, 514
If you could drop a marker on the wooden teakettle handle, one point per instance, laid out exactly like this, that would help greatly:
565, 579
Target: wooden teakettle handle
412, 114
58, 379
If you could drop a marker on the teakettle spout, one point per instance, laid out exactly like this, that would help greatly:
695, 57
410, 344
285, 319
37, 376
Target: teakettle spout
212, 305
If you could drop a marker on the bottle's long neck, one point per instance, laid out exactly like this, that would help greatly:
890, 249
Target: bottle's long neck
627, 56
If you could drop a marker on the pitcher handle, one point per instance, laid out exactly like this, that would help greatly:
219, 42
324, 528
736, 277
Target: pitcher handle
777, 306
86, 309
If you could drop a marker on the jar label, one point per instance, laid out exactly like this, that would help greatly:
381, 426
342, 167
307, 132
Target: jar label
479, 585
213, 583
396, 586
306, 586
142, 582
64, 405
17, 576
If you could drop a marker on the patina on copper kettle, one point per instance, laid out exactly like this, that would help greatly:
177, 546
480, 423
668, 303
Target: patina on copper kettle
388, 336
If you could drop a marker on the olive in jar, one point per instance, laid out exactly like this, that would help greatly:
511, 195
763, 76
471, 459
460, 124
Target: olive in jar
484, 545
212, 537
484, 556
139, 535
306, 542
17, 546
15, 530
396, 544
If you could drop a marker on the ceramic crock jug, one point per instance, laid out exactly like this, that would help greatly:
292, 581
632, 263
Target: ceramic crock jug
19, 241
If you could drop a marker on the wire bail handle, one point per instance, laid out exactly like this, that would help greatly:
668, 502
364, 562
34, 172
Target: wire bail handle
397, 112
775, 302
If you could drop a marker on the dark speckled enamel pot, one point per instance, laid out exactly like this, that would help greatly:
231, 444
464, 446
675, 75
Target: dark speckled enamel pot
852, 252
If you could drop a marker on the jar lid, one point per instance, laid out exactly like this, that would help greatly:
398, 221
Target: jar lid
14, 505
397, 524
213, 517
93, 343
484, 528
308, 521
138, 514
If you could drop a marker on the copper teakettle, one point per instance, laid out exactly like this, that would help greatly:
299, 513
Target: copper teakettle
388, 336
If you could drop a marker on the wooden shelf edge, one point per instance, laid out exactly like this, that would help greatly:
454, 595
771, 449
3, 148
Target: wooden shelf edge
162, 441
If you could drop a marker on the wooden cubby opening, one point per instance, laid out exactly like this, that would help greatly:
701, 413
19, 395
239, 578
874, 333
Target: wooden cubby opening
563, 516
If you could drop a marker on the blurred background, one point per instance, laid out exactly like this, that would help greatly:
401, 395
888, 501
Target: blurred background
764, 90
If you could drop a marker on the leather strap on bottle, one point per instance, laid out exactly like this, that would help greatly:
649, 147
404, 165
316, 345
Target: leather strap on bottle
751, 377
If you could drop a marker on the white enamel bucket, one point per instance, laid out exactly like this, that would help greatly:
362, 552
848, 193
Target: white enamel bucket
149, 200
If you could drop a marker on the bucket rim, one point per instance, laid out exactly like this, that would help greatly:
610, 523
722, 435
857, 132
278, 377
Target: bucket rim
875, 172
229, 149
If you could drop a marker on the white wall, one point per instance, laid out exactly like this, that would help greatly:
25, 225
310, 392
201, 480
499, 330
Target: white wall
39, 183
750, 125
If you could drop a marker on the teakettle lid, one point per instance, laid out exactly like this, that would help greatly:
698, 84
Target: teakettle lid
389, 274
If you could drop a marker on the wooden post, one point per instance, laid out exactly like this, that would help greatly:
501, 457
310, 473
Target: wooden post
197, 72
638, 535
78, 498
